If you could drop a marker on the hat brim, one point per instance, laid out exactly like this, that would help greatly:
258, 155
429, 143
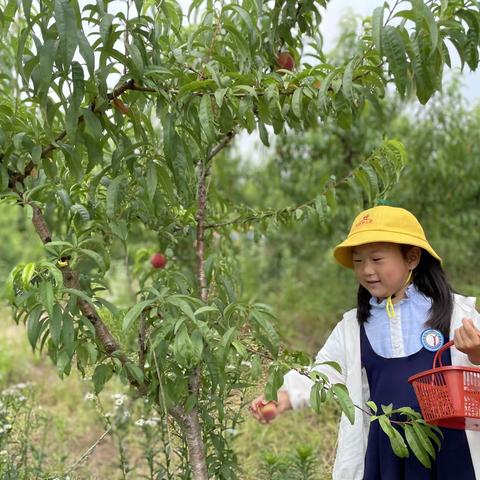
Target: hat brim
343, 251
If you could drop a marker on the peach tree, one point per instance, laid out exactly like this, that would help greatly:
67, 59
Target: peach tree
112, 117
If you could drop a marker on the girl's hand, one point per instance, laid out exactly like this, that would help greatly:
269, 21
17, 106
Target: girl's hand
265, 412
467, 340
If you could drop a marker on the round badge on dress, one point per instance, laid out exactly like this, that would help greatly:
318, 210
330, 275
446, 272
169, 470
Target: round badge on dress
432, 339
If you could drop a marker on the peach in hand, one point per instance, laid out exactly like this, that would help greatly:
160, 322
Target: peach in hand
268, 410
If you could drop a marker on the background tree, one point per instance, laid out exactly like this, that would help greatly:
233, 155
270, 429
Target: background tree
110, 122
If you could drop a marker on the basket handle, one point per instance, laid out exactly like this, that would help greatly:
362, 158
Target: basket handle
438, 355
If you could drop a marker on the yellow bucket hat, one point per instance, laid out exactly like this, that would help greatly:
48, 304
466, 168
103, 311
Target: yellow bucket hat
383, 224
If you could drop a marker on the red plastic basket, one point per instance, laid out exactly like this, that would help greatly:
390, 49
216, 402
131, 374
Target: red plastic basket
449, 396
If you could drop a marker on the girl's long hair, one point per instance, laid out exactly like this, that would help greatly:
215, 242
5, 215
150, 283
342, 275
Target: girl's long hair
430, 279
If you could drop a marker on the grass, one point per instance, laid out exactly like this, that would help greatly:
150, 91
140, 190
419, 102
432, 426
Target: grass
73, 424
282, 436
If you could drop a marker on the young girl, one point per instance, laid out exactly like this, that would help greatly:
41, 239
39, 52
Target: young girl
402, 293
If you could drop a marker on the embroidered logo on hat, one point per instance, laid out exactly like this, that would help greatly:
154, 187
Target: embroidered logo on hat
365, 219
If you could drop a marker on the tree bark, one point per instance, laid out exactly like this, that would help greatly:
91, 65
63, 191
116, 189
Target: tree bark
191, 422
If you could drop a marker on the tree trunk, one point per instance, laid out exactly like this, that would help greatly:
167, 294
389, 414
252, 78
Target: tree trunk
196, 448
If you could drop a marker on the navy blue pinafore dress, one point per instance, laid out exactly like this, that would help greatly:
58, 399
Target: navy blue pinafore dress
387, 378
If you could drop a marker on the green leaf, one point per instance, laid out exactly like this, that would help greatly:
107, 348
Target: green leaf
197, 344
27, 5
377, 26
68, 335
79, 294
431, 25
263, 133
347, 81
275, 381
81, 210
262, 319
417, 448
139, 6
27, 274
47, 296
220, 95
137, 61
244, 88
387, 409
471, 48
321, 207
324, 88
373, 406
102, 374
97, 258
225, 343
315, 397
151, 179
174, 151
197, 85
93, 125
297, 103
55, 324
45, 65
331, 197
372, 180
423, 76
206, 117
245, 16
67, 31
362, 180
182, 304
394, 50
34, 326
134, 312
396, 440
64, 363
71, 118
4, 178
206, 308
273, 98
434, 433
135, 372
331, 364
86, 51
424, 438
113, 194
341, 393
183, 348
240, 348
190, 403
105, 28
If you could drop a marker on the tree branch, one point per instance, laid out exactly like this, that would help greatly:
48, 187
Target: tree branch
223, 143
142, 346
200, 218
241, 221
71, 280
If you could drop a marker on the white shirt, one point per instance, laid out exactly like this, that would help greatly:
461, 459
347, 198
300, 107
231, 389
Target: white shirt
343, 347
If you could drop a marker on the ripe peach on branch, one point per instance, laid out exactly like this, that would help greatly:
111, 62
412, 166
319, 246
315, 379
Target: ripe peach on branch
286, 61
158, 260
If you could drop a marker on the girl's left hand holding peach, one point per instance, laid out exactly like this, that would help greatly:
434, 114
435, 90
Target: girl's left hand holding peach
467, 340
